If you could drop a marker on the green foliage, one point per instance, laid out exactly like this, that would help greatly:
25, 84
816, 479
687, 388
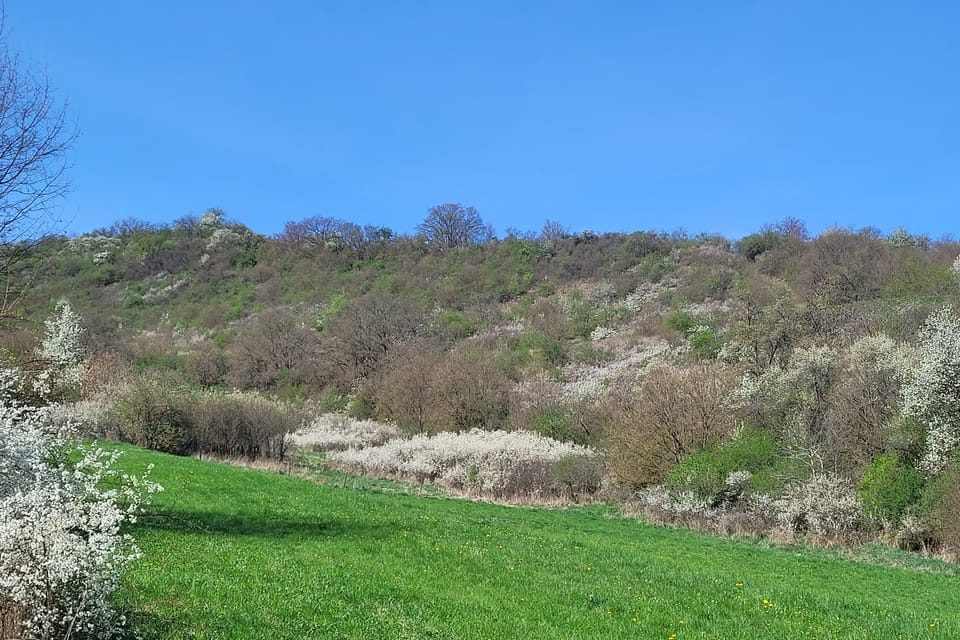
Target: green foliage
889, 488
705, 473
555, 422
234, 554
335, 304
653, 267
756, 244
682, 321
153, 416
539, 348
456, 325
332, 401
362, 405
704, 342
586, 352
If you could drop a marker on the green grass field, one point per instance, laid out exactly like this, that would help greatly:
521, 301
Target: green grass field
234, 553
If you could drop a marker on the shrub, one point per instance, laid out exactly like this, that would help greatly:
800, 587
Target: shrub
333, 432
332, 401
941, 505
554, 422
242, 424
824, 505
501, 464
153, 416
703, 342
707, 473
61, 546
674, 412
889, 488
931, 394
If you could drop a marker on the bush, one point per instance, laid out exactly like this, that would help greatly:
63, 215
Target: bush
889, 488
152, 416
706, 473
555, 423
941, 505
501, 464
823, 505
675, 412
333, 432
61, 546
242, 425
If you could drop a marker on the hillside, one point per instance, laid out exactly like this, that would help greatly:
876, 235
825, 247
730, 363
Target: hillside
777, 375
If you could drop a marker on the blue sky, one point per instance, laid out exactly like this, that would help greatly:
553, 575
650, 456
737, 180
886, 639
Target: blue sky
611, 116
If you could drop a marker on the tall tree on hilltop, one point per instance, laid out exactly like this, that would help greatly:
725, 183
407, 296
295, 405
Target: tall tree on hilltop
454, 225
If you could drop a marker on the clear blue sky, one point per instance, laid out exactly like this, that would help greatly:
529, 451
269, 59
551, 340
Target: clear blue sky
611, 116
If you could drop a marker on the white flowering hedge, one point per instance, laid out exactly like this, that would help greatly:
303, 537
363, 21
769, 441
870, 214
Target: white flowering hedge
335, 432
62, 547
498, 464
824, 505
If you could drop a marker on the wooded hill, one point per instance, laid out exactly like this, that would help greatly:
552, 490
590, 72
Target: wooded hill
684, 359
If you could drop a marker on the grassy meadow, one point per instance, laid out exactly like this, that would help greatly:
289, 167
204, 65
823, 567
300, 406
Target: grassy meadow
235, 553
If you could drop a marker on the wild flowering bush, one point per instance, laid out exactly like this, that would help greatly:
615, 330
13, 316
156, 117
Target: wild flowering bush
62, 547
63, 349
500, 464
824, 505
335, 432
931, 395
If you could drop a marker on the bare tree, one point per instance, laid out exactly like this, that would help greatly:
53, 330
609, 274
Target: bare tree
34, 138
673, 412
360, 335
315, 232
454, 225
553, 231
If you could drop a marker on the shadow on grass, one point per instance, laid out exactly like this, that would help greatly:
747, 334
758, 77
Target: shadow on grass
264, 525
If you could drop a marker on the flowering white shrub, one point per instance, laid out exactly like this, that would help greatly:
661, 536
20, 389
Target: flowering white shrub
61, 545
62, 347
602, 333
931, 395
824, 504
100, 248
334, 432
586, 382
495, 463
648, 293
956, 267
738, 479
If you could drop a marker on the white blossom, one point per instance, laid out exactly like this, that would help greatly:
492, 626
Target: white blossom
824, 504
932, 393
61, 545
496, 463
334, 432
62, 345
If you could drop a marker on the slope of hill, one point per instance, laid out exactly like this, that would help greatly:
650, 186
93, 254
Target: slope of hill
781, 369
